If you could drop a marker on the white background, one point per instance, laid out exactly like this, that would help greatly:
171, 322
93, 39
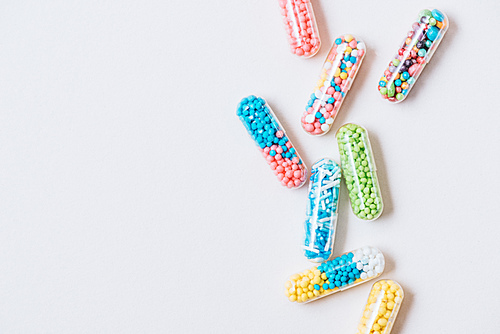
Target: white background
133, 201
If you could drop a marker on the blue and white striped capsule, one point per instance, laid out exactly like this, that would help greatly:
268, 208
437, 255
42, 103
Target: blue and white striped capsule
321, 214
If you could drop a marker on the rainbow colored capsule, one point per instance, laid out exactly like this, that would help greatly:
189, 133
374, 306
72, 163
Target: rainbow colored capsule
301, 28
413, 54
267, 132
381, 308
360, 172
337, 74
321, 214
339, 274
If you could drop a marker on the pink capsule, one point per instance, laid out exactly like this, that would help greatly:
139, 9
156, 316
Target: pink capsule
301, 27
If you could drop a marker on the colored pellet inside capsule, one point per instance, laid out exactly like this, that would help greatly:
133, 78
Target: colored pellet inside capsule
301, 28
413, 54
360, 172
266, 131
337, 74
321, 212
341, 273
382, 308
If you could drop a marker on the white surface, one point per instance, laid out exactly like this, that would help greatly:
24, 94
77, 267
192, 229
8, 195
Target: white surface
133, 201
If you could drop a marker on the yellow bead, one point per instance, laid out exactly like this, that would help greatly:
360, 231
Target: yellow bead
348, 50
310, 294
376, 327
388, 314
398, 299
292, 298
310, 287
299, 291
337, 72
317, 272
316, 293
288, 284
316, 280
382, 322
343, 75
310, 275
323, 276
304, 297
390, 296
306, 272
304, 283
287, 293
348, 38
295, 277
291, 290
385, 287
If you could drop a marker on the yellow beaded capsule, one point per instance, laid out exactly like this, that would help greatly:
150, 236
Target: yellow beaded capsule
381, 308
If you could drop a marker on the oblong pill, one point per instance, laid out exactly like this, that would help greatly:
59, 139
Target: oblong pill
360, 172
413, 54
341, 273
337, 74
381, 308
271, 138
321, 213
301, 28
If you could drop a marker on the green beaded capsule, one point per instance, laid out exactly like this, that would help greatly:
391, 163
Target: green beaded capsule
360, 172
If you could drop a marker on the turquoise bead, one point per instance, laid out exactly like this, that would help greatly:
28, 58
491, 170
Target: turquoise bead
438, 15
432, 33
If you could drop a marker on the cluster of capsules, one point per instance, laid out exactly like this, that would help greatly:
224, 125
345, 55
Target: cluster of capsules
414, 53
357, 161
301, 28
279, 152
337, 74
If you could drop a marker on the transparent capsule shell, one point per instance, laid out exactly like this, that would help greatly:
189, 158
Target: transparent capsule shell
265, 129
360, 171
337, 75
341, 273
301, 28
415, 51
382, 307
321, 213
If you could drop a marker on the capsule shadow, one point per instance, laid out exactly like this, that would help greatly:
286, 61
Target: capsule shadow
382, 175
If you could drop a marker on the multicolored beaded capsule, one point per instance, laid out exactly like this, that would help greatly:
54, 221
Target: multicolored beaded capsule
414, 53
381, 308
271, 138
300, 26
341, 273
321, 214
338, 73
360, 172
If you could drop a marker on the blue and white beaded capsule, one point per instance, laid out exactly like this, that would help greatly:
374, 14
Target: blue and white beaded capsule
321, 213
268, 134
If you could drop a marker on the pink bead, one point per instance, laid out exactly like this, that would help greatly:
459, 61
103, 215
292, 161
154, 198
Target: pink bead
361, 53
297, 174
296, 160
329, 107
318, 131
288, 144
337, 105
279, 150
337, 96
281, 176
309, 127
269, 158
338, 80
330, 90
285, 179
280, 169
278, 157
267, 149
279, 134
326, 115
299, 52
353, 44
274, 165
317, 124
290, 184
289, 174
295, 167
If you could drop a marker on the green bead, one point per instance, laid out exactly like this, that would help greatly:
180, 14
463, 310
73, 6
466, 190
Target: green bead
426, 13
432, 21
395, 62
391, 90
422, 52
399, 96
428, 43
